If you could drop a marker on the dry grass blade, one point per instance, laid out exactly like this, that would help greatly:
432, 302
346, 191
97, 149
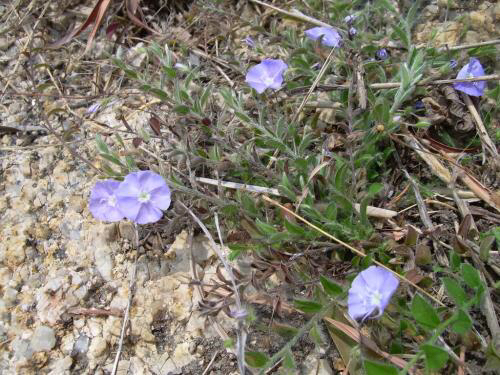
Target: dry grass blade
486, 141
354, 334
95, 15
353, 249
132, 7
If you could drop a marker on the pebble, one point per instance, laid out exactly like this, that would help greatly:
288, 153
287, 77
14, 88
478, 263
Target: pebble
43, 339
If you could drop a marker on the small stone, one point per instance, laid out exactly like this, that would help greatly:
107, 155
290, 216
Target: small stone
192, 347
127, 230
9, 296
81, 346
104, 262
61, 366
21, 348
44, 339
98, 347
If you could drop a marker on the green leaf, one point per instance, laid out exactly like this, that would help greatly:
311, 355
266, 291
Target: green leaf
424, 313
486, 244
455, 291
454, 261
470, 276
265, 228
294, 228
315, 335
101, 145
256, 359
463, 322
170, 72
376, 368
160, 94
181, 109
284, 330
331, 288
289, 361
113, 159
435, 357
307, 306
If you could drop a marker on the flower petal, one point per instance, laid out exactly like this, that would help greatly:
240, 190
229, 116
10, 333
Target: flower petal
150, 181
160, 197
130, 207
129, 187
148, 213
331, 37
101, 204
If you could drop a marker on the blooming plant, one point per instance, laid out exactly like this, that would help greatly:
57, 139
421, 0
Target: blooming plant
370, 292
382, 54
267, 74
471, 70
102, 203
329, 37
141, 197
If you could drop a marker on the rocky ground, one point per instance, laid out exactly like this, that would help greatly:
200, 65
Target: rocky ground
65, 276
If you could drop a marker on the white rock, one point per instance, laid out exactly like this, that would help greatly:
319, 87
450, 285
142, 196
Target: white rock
43, 339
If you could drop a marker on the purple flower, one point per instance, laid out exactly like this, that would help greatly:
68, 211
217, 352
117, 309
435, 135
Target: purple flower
103, 201
419, 105
382, 54
329, 37
250, 42
350, 19
352, 32
370, 292
267, 74
471, 70
142, 196
453, 63
93, 108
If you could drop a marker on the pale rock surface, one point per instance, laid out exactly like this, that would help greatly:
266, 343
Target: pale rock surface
43, 339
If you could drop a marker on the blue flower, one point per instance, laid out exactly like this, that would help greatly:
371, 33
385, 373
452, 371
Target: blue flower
329, 37
471, 70
250, 42
382, 54
350, 19
103, 201
267, 74
352, 31
142, 196
370, 292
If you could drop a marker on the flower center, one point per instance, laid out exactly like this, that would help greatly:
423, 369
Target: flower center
144, 197
469, 75
268, 81
112, 201
376, 297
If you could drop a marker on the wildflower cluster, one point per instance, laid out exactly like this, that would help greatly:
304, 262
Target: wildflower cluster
269, 73
140, 197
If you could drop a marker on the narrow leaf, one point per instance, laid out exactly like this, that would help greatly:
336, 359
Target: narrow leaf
256, 359
307, 306
331, 288
375, 368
